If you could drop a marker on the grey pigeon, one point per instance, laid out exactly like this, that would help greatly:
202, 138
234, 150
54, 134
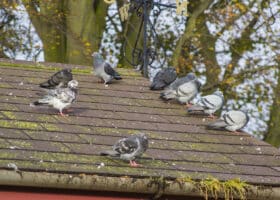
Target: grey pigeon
232, 120
182, 89
60, 98
103, 69
208, 104
129, 148
59, 79
163, 78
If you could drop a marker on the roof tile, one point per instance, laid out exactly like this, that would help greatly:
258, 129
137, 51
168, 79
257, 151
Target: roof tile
37, 139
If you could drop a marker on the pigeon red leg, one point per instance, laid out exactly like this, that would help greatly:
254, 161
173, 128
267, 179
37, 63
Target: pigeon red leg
212, 116
100, 80
68, 110
237, 132
188, 105
133, 164
62, 114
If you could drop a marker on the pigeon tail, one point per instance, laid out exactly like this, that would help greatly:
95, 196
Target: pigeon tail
162, 96
167, 95
156, 86
50, 84
117, 76
109, 153
47, 84
195, 109
220, 124
37, 103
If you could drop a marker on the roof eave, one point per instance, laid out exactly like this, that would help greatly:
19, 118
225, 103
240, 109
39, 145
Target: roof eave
118, 184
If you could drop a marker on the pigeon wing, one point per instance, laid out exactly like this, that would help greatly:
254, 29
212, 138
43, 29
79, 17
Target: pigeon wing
169, 76
109, 70
60, 78
126, 146
179, 81
211, 102
236, 117
186, 89
64, 94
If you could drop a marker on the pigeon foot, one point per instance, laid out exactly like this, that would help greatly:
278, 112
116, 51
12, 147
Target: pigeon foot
188, 105
212, 116
133, 164
237, 132
68, 110
62, 114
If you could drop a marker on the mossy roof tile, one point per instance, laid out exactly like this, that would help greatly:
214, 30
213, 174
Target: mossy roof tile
37, 139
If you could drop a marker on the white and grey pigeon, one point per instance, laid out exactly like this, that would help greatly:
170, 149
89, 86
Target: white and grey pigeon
182, 89
163, 78
59, 79
208, 104
103, 70
60, 98
129, 148
232, 120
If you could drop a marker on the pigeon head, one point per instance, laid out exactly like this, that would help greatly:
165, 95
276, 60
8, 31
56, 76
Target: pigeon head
219, 93
73, 84
97, 58
65, 71
143, 139
68, 70
97, 55
191, 76
142, 135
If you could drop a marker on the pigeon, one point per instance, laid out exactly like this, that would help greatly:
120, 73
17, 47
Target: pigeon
59, 79
103, 70
208, 104
129, 148
182, 89
232, 120
163, 78
60, 98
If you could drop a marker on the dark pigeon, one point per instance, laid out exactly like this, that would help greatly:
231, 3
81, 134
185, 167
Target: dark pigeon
163, 78
59, 79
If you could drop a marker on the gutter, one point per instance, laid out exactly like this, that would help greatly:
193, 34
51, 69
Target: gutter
121, 184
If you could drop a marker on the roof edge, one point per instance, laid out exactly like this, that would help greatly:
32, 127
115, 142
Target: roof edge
80, 69
154, 186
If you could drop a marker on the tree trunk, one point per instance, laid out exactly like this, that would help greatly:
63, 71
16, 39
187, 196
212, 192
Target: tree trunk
130, 31
49, 23
273, 135
85, 23
196, 9
70, 30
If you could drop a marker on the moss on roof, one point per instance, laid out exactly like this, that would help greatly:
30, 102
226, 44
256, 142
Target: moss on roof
37, 139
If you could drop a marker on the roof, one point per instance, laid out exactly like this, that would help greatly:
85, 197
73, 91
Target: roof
43, 145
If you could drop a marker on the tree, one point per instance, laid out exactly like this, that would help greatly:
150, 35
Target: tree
68, 29
232, 31
273, 134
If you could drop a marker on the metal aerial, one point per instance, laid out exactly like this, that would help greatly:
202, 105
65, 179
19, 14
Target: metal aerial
144, 54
